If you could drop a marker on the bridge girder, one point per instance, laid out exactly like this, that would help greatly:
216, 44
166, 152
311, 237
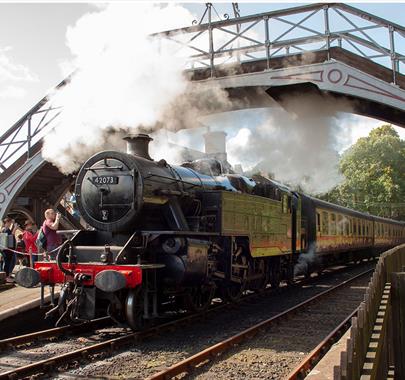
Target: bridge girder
369, 96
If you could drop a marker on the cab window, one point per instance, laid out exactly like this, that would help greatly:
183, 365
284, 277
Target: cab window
285, 204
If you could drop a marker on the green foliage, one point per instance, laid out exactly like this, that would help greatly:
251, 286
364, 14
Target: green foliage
374, 175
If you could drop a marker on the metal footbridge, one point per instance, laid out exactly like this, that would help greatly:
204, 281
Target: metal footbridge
350, 54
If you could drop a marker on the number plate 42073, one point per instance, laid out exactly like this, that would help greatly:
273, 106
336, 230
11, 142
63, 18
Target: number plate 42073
105, 180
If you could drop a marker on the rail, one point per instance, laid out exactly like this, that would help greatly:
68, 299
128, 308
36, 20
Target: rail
111, 345
188, 364
373, 347
13, 342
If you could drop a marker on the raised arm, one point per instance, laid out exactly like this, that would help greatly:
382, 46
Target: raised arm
55, 224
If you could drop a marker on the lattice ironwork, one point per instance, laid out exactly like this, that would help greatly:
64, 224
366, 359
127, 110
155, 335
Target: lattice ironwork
22, 138
290, 31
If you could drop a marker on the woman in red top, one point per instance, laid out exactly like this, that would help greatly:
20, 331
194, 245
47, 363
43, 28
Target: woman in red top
30, 238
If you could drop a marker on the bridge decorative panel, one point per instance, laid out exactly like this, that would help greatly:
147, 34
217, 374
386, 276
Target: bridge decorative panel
10, 188
330, 76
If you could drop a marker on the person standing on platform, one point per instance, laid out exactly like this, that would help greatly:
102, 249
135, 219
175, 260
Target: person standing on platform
49, 228
30, 237
9, 227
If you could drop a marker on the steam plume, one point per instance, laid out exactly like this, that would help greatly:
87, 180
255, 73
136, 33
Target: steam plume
125, 82
299, 147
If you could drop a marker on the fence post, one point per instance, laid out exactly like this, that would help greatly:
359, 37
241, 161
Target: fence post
398, 322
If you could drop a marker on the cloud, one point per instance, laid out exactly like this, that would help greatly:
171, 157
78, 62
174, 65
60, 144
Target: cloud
13, 76
10, 91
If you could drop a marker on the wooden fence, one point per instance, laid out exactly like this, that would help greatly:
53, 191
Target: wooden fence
375, 349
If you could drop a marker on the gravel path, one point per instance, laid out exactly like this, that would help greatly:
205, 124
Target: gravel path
146, 358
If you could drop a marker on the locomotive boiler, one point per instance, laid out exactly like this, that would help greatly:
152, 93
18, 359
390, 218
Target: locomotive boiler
167, 237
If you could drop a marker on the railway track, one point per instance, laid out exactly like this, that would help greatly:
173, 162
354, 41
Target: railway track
309, 362
49, 334
214, 352
103, 345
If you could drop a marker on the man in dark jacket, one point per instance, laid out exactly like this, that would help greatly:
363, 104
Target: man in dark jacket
9, 227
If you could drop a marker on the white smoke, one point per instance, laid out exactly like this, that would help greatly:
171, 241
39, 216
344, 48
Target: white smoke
306, 261
124, 79
298, 149
126, 82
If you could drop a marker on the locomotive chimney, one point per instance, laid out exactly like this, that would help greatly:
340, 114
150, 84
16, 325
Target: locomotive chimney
138, 145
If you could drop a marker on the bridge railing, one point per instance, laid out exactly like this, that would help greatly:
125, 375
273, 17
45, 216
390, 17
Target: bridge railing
26, 132
291, 31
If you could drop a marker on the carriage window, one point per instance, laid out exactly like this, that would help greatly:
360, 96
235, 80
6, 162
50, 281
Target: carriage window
347, 227
325, 229
318, 222
332, 224
350, 226
339, 226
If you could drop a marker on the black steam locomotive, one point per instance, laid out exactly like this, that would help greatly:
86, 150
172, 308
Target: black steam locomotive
173, 237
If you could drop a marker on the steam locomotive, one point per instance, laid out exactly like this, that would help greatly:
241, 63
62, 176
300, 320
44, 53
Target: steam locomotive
173, 237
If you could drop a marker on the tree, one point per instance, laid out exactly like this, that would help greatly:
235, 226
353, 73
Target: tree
374, 175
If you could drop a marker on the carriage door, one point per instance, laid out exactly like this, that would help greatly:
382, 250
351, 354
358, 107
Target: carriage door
295, 222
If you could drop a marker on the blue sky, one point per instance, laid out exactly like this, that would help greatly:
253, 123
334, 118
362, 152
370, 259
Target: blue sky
32, 47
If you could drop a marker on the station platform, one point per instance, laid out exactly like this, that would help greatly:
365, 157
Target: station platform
324, 369
17, 300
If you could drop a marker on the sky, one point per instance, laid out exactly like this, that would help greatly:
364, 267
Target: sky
34, 56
